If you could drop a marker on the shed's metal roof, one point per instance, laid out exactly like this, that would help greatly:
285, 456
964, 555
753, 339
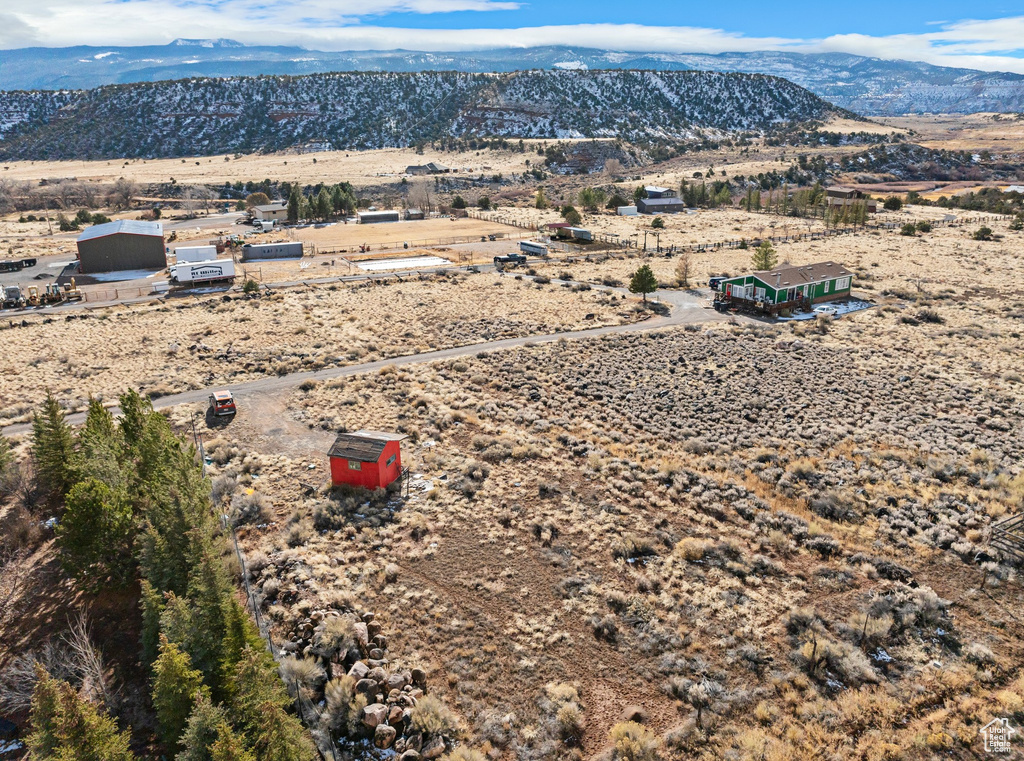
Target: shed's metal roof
362, 446
670, 201
126, 226
271, 207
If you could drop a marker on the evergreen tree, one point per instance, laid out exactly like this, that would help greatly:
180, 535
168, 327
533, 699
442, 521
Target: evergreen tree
241, 633
100, 447
294, 205
68, 728
152, 604
53, 449
540, 201
570, 215
258, 705
229, 746
202, 730
643, 281
96, 533
764, 257
176, 687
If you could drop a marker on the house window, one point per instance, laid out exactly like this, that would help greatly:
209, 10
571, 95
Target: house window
826, 286
355, 465
842, 283
759, 294
391, 460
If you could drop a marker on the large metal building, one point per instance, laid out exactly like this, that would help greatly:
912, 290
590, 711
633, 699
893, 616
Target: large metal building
127, 244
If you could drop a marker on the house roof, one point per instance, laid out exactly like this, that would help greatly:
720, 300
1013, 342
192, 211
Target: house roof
672, 201
803, 275
362, 446
657, 189
271, 207
126, 226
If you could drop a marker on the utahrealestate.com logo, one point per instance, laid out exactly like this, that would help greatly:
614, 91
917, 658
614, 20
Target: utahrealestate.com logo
997, 734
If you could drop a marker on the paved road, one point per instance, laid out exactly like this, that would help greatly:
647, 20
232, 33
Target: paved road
685, 308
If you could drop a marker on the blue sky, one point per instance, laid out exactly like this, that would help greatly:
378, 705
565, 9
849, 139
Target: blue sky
980, 35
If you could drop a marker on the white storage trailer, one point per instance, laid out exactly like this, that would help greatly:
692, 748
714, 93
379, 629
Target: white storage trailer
194, 273
251, 251
194, 254
533, 248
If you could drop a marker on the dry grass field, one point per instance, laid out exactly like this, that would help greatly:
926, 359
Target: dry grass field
361, 168
761, 541
779, 526
201, 341
999, 133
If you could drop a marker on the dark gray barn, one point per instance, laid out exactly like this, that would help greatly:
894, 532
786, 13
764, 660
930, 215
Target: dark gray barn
127, 244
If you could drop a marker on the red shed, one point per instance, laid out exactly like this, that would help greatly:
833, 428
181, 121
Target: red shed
369, 459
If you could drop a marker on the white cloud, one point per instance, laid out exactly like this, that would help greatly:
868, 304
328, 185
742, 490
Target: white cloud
992, 45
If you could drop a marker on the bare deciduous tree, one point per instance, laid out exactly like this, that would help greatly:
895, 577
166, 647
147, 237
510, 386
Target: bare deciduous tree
124, 193
683, 269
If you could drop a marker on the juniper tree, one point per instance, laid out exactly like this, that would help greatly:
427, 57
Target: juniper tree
764, 257
201, 730
69, 728
53, 449
176, 686
96, 533
643, 281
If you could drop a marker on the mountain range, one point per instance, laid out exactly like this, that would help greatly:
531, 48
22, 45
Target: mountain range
869, 86
205, 116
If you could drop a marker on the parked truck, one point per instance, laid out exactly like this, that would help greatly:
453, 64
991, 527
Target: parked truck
284, 250
196, 273
13, 297
510, 260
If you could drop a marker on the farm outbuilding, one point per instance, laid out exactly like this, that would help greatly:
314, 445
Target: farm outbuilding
255, 251
373, 217
839, 196
127, 244
789, 287
666, 205
414, 214
274, 212
366, 459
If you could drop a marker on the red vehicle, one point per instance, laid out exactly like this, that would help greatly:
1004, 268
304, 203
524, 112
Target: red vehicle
222, 403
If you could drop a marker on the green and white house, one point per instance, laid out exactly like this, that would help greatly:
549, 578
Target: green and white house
790, 287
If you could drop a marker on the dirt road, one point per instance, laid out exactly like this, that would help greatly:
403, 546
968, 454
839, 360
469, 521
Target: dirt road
685, 308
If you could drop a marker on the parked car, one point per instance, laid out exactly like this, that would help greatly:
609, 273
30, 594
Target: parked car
715, 283
222, 404
825, 309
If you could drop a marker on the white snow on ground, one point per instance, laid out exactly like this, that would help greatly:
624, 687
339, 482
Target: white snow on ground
9, 746
412, 263
114, 277
843, 307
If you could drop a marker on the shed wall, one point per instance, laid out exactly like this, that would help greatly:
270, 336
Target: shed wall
121, 251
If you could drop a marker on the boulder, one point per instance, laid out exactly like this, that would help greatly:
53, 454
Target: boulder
374, 715
414, 741
395, 716
380, 642
433, 748
366, 687
378, 675
376, 654
373, 629
384, 736
359, 670
410, 755
362, 637
367, 617
634, 713
396, 681
377, 663
419, 678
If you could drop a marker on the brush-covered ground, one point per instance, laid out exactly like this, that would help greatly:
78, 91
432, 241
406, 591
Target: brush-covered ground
766, 542
195, 342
